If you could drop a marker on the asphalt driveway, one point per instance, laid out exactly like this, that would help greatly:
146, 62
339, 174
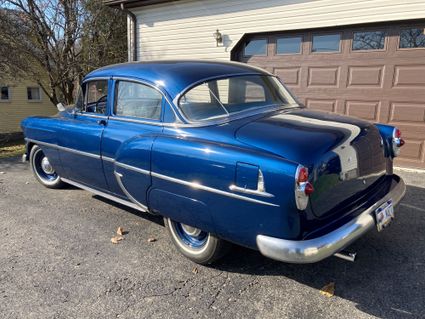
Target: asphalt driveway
57, 261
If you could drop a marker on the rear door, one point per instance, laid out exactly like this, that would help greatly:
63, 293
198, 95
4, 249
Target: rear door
133, 125
80, 138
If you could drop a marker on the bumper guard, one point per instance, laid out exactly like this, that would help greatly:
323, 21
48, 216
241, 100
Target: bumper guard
314, 250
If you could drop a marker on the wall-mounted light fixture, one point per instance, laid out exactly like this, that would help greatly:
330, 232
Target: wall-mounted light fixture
218, 37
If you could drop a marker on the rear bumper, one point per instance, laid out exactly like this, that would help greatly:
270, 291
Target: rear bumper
314, 250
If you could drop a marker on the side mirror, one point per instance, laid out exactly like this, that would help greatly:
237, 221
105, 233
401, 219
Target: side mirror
60, 107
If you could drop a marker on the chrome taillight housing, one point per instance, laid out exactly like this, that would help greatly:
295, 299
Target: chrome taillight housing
397, 142
303, 188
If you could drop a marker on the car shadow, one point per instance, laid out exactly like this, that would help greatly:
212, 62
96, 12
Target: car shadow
388, 278
148, 216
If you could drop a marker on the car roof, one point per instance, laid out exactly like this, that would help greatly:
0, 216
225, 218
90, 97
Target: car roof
175, 75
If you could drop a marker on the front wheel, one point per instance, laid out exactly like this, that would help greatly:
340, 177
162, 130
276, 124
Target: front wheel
43, 170
197, 245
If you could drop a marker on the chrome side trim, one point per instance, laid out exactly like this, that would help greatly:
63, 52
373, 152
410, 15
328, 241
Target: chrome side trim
65, 149
132, 168
316, 249
210, 189
146, 172
108, 159
255, 192
105, 195
118, 177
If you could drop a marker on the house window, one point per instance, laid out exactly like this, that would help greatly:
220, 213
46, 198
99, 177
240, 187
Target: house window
374, 40
4, 93
288, 45
412, 38
326, 43
33, 94
256, 47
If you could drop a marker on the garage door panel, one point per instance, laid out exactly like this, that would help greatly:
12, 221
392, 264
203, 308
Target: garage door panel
327, 105
408, 112
365, 76
323, 76
367, 110
290, 76
409, 76
413, 149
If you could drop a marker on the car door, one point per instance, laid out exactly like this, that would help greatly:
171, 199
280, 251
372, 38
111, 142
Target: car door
81, 135
133, 125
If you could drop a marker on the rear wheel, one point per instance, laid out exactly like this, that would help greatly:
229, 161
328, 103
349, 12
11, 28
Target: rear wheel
43, 170
199, 246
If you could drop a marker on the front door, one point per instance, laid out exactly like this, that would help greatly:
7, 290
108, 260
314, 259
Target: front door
81, 136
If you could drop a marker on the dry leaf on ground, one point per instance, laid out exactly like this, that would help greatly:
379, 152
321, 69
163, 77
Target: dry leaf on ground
328, 290
120, 231
151, 239
195, 270
116, 239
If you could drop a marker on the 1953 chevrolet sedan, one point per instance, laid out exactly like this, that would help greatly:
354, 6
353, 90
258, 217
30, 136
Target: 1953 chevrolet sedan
224, 153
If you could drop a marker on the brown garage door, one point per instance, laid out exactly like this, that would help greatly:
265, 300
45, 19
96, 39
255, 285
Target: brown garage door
374, 72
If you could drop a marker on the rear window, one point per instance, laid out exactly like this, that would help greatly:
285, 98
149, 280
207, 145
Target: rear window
223, 97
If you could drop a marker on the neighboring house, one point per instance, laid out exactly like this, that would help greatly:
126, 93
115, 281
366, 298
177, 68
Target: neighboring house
361, 58
19, 99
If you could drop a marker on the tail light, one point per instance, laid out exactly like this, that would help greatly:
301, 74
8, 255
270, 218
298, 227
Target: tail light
303, 188
397, 142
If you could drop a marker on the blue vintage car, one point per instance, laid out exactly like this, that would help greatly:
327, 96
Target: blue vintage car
224, 153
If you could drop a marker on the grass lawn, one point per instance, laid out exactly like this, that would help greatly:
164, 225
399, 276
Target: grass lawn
12, 149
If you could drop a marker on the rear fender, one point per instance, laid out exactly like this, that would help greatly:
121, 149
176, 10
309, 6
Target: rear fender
200, 173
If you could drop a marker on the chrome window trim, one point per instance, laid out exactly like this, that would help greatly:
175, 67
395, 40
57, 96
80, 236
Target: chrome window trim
62, 148
89, 114
105, 195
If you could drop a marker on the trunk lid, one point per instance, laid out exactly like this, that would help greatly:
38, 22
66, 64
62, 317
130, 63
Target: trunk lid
344, 155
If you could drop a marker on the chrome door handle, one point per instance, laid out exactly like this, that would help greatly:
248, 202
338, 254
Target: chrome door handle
102, 122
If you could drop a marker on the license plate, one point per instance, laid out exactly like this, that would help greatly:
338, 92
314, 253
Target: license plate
384, 214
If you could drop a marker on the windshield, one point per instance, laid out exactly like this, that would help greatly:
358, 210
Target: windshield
223, 97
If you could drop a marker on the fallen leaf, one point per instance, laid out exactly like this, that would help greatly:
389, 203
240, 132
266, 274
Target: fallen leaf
151, 239
26, 183
328, 290
2, 173
195, 270
120, 231
116, 239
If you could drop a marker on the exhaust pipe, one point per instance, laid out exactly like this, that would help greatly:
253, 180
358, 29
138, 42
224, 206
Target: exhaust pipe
346, 255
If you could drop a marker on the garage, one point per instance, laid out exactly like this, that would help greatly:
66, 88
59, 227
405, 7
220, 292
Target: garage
374, 72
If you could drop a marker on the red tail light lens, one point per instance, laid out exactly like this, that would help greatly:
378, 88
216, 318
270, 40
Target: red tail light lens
309, 189
397, 133
302, 175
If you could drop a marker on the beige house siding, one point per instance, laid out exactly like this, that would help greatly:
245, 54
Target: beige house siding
13, 111
184, 29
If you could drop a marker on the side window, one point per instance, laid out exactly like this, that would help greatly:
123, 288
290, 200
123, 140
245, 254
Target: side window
137, 100
254, 92
96, 96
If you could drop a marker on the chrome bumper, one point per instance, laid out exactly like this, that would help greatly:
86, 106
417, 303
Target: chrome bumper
314, 250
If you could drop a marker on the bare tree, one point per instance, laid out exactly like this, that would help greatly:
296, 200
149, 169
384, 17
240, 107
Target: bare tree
56, 42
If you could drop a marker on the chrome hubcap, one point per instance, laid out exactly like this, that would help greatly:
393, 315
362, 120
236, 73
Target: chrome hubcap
192, 231
46, 166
